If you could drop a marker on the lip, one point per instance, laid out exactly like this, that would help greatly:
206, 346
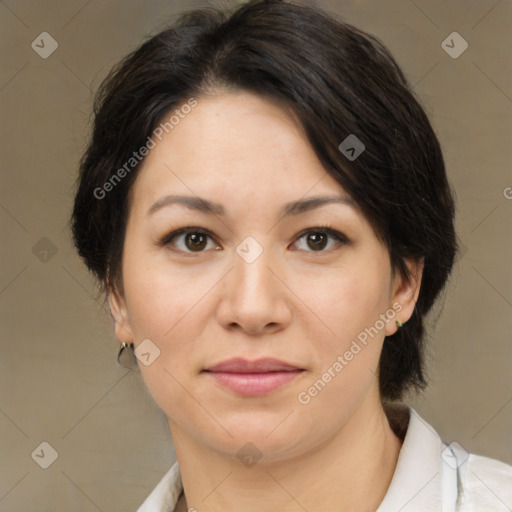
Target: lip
253, 378
262, 365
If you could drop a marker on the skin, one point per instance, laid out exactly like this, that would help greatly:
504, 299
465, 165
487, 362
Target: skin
294, 302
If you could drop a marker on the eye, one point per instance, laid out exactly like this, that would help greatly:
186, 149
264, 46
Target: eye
190, 240
321, 239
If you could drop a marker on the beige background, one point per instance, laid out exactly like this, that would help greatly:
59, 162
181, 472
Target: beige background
59, 382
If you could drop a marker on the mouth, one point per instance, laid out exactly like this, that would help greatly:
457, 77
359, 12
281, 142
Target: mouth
253, 378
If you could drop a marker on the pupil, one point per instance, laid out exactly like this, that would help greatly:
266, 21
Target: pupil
195, 241
317, 240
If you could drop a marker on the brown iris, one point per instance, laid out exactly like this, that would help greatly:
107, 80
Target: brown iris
196, 241
317, 241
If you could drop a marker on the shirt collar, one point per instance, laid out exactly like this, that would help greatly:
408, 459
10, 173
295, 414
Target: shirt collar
416, 482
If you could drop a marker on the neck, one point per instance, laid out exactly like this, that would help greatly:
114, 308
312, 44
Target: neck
349, 472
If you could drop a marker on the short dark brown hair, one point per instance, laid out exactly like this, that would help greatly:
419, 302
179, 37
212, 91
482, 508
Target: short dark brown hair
338, 81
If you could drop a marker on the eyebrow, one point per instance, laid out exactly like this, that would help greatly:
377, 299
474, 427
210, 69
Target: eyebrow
212, 208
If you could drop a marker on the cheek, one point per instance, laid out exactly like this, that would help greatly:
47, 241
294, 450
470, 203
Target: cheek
162, 297
348, 304
348, 359
168, 314
348, 351
164, 306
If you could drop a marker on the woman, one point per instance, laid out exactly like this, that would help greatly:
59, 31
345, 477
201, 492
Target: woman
266, 205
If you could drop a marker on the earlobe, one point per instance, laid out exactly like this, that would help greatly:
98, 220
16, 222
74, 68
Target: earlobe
120, 315
406, 292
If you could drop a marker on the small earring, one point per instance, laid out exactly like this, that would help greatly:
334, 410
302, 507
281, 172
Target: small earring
126, 355
399, 324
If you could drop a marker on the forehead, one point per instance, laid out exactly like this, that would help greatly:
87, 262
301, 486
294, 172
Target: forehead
234, 146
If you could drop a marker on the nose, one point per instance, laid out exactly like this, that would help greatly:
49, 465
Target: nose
254, 299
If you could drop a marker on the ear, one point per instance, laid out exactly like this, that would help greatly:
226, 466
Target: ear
405, 293
119, 312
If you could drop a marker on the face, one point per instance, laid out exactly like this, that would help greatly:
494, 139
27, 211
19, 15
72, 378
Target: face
239, 245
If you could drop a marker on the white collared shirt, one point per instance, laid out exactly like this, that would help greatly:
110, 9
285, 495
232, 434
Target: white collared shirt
430, 476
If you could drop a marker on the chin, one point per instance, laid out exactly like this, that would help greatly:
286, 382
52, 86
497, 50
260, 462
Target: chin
273, 432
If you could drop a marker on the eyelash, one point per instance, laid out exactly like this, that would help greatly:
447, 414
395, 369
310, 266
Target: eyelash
340, 238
